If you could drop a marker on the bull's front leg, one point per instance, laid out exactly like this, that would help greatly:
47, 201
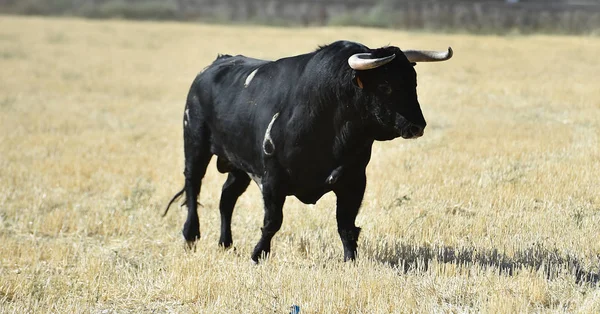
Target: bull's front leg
349, 194
273, 197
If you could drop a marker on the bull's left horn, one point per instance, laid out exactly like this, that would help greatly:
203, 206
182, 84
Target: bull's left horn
365, 61
428, 56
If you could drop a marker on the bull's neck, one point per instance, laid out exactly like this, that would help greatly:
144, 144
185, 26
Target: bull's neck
351, 133
335, 106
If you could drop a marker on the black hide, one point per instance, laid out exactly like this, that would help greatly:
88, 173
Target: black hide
322, 118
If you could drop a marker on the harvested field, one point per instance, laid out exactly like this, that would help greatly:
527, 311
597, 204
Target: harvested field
495, 209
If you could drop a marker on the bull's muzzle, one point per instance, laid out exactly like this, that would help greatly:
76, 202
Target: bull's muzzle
415, 131
412, 131
407, 129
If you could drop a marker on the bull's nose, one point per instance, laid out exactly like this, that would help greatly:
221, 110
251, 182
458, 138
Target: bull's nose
416, 131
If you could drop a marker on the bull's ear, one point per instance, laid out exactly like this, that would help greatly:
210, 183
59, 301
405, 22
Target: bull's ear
356, 80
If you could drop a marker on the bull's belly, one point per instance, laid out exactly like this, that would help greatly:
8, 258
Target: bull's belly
310, 196
306, 193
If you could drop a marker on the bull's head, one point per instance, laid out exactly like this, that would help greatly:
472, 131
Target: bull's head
389, 85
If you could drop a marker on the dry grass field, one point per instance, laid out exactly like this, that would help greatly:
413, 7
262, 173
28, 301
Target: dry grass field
495, 209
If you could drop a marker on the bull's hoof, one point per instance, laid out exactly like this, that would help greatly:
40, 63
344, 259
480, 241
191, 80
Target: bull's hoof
225, 244
191, 234
350, 255
191, 237
259, 255
190, 246
349, 259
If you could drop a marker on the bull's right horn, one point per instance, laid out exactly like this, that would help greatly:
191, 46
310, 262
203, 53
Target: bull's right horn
365, 61
427, 56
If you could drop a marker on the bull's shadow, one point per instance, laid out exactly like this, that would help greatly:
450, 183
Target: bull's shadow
408, 257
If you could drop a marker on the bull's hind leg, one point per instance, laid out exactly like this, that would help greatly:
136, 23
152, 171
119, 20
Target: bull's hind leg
197, 157
349, 197
236, 184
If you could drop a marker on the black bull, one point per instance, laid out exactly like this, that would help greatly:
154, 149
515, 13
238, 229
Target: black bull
301, 126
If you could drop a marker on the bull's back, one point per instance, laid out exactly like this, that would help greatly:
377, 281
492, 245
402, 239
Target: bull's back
239, 97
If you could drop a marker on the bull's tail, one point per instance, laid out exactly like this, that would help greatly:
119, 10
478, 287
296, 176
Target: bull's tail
174, 199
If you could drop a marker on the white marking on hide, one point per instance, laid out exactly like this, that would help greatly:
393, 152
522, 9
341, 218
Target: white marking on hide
268, 140
250, 77
256, 179
186, 119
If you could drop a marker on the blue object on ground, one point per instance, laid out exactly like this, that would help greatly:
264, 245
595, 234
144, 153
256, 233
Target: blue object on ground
294, 309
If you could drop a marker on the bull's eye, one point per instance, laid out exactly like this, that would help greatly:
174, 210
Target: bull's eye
385, 88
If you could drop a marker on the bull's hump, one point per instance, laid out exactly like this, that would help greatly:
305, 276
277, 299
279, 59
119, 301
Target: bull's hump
241, 60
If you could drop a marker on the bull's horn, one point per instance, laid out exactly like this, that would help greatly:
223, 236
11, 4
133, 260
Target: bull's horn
428, 56
365, 61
